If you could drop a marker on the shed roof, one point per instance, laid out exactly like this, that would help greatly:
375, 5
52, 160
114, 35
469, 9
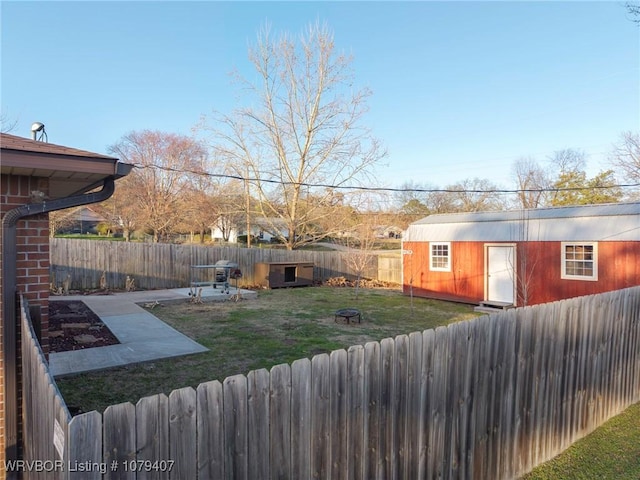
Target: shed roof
619, 221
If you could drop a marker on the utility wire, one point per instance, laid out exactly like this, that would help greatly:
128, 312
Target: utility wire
387, 189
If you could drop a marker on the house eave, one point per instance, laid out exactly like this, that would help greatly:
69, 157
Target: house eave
67, 174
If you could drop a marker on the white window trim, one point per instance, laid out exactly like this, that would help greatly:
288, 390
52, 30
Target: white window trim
592, 278
439, 269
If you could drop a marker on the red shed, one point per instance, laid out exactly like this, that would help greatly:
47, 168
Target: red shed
523, 257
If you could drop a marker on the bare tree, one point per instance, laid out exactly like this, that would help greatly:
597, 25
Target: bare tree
571, 186
633, 8
302, 132
361, 243
528, 258
569, 176
7, 125
61, 219
442, 202
210, 201
475, 195
199, 207
231, 207
568, 160
412, 202
228, 222
165, 161
625, 156
531, 181
417, 200
122, 213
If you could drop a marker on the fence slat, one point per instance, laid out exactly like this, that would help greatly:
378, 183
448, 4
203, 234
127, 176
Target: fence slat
508, 369
61, 432
355, 411
280, 421
84, 444
30, 357
632, 309
320, 410
480, 387
119, 440
338, 414
210, 430
542, 373
301, 418
465, 431
43, 422
258, 412
436, 461
387, 419
152, 434
452, 420
400, 406
235, 427
415, 442
182, 433
372, 385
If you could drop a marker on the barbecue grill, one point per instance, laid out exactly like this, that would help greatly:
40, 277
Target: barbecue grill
223, 272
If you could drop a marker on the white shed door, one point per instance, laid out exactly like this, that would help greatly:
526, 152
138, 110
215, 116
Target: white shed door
500, 274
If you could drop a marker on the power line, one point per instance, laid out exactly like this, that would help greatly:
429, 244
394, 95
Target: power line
496, 191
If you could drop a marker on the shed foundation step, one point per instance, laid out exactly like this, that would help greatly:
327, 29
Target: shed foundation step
491, 306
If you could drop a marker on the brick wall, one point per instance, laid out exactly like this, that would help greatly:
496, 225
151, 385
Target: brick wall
32, 265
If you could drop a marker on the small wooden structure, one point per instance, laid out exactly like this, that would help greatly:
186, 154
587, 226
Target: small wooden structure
284, 274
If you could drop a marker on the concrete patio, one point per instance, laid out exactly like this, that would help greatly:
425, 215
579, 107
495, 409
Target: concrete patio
142, 336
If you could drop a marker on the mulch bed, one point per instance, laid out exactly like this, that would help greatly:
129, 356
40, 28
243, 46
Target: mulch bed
74, 326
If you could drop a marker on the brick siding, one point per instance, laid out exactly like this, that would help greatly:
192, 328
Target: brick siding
32, 266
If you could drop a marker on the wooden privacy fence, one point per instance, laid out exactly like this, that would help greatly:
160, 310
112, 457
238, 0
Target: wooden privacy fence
158, 265
487, 398
45, 418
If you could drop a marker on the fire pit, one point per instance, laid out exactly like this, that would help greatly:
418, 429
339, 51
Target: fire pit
347, 314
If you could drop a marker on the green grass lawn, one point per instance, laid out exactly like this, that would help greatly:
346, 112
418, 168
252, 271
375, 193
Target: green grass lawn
280, 326
90, 236
611, 452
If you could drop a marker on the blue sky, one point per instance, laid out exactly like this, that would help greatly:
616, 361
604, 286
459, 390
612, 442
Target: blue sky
460, 89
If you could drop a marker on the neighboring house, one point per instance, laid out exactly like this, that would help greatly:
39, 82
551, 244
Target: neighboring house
82, 220
36, 178
261, 228
524, 257
268, 229
388, 231
218, 236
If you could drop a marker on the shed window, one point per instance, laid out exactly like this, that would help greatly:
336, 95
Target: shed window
440, 256
580, 261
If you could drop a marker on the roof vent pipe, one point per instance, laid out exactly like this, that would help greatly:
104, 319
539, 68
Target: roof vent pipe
38, 127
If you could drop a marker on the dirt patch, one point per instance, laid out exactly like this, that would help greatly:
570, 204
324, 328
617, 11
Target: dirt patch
74, 326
